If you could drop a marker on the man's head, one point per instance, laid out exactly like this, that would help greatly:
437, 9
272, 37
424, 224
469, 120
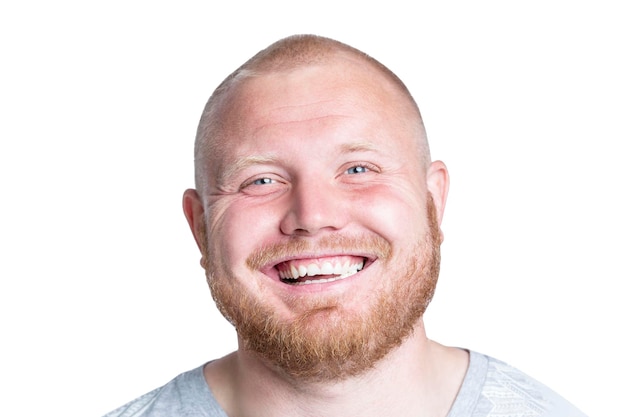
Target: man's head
317, 208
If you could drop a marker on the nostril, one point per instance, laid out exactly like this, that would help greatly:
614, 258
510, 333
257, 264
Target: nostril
301, 232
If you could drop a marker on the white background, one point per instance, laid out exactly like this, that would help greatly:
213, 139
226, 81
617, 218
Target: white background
101, 294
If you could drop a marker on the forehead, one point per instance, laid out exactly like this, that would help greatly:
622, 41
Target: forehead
341, 92
332, 87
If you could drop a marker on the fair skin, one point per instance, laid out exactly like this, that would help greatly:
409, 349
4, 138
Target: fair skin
323, 150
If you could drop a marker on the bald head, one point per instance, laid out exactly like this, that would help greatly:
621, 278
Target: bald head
286, 55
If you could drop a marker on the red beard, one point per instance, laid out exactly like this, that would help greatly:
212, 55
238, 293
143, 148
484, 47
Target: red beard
324, 342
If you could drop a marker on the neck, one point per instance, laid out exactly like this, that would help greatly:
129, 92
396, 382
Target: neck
420, 377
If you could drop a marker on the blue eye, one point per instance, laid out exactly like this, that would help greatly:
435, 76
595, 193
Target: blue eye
263, 181
359, 169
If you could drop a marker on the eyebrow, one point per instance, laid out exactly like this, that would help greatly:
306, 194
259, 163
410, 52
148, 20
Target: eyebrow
242, 163
247, 161
357, 147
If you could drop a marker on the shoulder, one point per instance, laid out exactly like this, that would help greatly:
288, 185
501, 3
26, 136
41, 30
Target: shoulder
137, 406
509, 391
186, 395
493, 388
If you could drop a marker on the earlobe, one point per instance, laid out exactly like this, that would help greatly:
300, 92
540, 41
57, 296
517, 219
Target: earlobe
194, 212
438, 182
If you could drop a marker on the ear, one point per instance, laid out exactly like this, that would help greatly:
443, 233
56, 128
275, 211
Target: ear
438, 182
194, 212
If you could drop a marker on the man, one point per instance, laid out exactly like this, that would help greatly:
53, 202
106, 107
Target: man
317, 211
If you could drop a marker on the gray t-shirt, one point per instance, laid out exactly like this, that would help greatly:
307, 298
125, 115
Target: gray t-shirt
491, 388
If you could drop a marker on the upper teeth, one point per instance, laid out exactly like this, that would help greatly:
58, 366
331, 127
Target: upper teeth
327, 268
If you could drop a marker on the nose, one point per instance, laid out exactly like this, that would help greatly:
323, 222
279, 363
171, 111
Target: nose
314, 207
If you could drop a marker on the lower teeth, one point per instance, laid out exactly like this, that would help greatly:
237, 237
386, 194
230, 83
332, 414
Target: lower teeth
323, 280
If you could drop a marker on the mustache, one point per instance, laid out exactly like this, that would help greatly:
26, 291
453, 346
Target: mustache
336, 244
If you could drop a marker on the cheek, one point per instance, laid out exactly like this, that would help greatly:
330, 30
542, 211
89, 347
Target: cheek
397, 214
237, 230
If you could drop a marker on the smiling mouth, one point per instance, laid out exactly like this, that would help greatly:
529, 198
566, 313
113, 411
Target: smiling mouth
319, 271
